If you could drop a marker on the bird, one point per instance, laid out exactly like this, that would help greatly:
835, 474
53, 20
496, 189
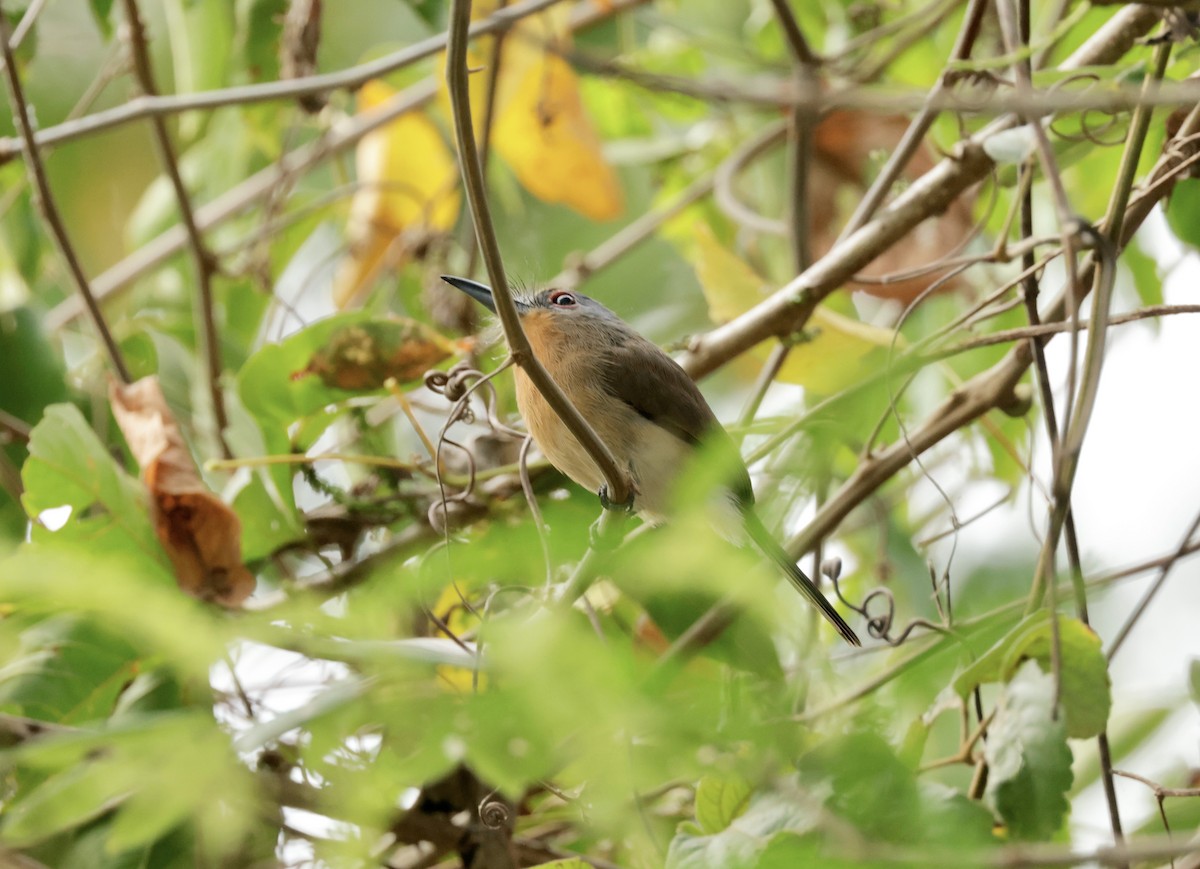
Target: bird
642, 405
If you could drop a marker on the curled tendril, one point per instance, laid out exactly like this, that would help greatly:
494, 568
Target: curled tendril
1091, 131
880, 625
494, 813
458, 385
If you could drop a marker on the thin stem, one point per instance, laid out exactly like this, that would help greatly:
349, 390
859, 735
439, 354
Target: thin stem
1163, 573
46, 204
619, 488
915, 134
789, 307
202, 259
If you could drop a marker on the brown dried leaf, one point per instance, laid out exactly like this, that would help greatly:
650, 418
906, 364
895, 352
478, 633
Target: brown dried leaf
200, 533
364, 356
845, 147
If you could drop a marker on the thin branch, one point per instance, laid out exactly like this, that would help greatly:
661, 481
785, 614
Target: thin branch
578, 268
915, 134
266, 181
202, 259
790, 307
46, 204
1159, 790
236, 200
1163, 573
619, 489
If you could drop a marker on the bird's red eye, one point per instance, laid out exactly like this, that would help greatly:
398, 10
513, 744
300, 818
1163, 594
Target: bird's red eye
562, 299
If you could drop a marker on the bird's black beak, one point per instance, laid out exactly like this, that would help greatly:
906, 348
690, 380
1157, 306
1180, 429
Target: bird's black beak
477, 291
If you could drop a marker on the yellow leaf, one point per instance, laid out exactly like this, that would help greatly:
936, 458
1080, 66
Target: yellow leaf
730, 286
408, 189
454, 614
546, 137
540, 128
838, 348
837, 354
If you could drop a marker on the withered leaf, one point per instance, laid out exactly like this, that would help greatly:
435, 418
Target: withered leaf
200, 533
363, 356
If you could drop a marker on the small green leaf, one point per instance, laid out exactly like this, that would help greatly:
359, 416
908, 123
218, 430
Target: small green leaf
1085, 695
65, 800
1194, 679
1085, 692
100, 11
1183, 211
745, 838
1146, 279
719, 800
1029, 761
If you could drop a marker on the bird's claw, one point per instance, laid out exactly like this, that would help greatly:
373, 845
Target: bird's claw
604, 536
625, 506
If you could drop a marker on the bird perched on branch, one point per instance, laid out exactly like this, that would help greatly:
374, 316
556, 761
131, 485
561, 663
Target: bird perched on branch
645, 408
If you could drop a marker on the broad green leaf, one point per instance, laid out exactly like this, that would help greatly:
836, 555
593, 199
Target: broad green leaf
568, 863
869, 786
67, 670
68, 466
66, 799
270, 389
1183, 211
1085, 692
267, 524
142, 771
1029, 762
720, 799
744, 839
140, 604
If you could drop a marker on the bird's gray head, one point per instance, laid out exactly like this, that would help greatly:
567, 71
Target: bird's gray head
559, 309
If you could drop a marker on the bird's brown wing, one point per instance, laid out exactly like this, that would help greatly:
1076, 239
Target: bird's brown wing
653, 385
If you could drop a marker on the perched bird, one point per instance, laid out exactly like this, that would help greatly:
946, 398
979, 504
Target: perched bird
645, 408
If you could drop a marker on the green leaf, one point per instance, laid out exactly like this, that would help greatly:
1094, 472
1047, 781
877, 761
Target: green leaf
1194, 679
66, 799
568, 863
1086, 694
1183, 211
138, 604
259, 23
720, 799
267, 524
274, 386
68, 466
744, 839
67, 670
1028, 759
101, 10
1146, 279
139, 770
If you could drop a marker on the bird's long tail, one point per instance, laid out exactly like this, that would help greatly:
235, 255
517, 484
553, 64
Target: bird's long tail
769, 545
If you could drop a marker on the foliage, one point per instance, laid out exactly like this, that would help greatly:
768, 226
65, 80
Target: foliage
413, 678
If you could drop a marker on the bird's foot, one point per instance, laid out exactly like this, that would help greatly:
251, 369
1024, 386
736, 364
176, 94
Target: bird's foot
605, 535
625, 506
